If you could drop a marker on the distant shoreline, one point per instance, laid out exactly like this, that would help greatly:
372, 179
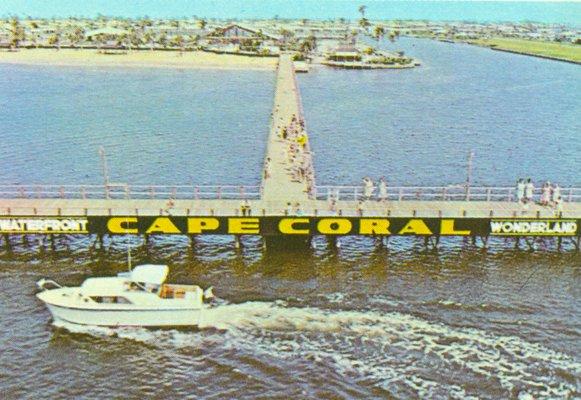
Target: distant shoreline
547, 50
534, 55
135, 59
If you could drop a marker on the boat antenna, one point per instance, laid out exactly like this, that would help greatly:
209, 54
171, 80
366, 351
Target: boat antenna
128, 253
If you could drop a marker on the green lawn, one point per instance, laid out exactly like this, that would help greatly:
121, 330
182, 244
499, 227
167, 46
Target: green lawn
565, 51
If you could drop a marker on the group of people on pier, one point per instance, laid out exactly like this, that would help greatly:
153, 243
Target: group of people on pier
550, 193
297, 152
369, 189
368, 193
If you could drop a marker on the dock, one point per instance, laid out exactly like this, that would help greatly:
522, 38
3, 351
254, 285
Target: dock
282, 181
288, 203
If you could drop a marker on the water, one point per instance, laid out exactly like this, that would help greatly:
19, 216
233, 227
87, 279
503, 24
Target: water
157, 126
348, 323
520, 116
357, 323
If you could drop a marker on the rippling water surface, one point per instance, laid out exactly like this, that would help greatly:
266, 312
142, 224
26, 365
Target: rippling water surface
519, 114
359, 321
157, 126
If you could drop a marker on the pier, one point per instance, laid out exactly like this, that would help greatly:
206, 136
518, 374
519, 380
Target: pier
288, 203
283, 183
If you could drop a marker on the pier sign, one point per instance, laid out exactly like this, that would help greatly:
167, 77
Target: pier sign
288, 226
43, 225
534, 227
294, 226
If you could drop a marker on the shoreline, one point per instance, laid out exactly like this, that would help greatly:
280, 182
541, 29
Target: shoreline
523, 53
136, 59
520, 47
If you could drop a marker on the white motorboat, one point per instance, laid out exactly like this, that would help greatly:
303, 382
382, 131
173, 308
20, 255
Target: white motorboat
136, 298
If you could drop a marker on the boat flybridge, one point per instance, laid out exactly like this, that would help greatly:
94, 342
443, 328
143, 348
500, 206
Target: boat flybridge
139, 297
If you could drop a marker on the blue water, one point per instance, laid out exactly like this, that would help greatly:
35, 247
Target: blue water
157, 126
353, 322
519, 114
550, 12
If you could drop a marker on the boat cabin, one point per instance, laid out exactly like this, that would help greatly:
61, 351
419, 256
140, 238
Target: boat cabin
144, 279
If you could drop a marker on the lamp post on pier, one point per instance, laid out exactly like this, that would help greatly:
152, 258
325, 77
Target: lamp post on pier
105, 168
469, 174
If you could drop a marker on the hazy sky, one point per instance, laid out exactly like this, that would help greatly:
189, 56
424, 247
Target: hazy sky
547, 11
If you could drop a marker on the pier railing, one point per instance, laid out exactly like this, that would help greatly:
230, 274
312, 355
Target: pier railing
264, 209
119, 191
437, 193
126, 191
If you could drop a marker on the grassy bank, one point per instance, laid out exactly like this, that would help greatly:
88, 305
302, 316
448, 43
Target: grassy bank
566, 52
162, 59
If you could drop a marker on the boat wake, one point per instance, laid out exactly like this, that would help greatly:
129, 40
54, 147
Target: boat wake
403, 354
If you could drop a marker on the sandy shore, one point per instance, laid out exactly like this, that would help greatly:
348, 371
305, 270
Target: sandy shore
161, 59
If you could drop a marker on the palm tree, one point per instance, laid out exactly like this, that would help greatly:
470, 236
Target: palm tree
122, 40
364, 23
162, 40
101, 40
178, 41
309, 44
148, 39
192, 41
362, 9
286, 35
378, 32
55, 40
134, 38
16, 32
76, 35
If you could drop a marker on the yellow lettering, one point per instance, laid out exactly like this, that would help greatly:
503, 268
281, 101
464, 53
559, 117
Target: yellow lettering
447, 228
121, 225
287, 225
162, 225
240, 226
334, 226
416, 226
198, 225
374, 226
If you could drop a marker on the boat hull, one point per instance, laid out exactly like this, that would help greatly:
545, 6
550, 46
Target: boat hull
119, 318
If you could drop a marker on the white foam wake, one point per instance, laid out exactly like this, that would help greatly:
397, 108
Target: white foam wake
386, 349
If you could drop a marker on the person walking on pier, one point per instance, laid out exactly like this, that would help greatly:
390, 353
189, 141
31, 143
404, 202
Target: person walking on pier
245, 208
298, 210
520, 190
382, 189
267, 168
556, 194
529, 190
546, 194
368, 188
360, 208
558, 206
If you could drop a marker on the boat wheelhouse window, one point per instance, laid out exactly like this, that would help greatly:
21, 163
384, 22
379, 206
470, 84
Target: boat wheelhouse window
111, 299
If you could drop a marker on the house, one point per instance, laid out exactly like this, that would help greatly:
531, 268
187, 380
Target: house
237, 38
235, 34
344, 53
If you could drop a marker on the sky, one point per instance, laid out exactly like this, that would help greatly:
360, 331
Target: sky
543, 11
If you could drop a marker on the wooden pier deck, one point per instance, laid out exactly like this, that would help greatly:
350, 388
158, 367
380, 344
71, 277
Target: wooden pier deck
276, 207
280, 185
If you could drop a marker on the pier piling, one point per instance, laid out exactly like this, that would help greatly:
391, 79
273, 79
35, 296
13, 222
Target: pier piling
7, 244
